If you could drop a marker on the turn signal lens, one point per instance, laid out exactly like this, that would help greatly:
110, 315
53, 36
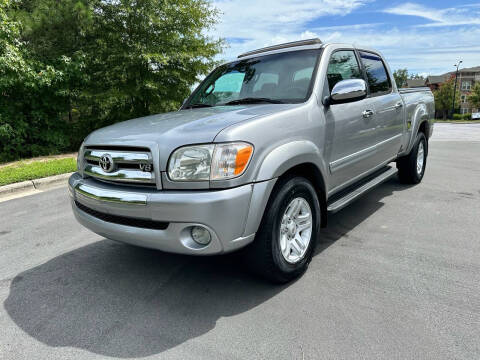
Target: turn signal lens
230, 160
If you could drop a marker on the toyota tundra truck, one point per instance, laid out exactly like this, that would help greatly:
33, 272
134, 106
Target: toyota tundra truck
263, 149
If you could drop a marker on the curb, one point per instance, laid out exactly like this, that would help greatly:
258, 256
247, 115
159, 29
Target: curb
34, 184
458, 122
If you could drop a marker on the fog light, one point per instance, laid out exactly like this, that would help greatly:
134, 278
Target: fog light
201, 235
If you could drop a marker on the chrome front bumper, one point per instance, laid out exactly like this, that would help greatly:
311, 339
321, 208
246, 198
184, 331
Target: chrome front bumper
232, 216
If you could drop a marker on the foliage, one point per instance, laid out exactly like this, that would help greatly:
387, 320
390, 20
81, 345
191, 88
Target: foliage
68, 67
474, 97
401, 76
21, 171
444, 97
462, 116
416, 77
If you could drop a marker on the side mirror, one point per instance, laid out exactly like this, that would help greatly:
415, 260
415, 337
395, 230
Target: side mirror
348, 90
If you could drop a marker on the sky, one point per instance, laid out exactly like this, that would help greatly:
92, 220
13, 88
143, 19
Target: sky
426, 37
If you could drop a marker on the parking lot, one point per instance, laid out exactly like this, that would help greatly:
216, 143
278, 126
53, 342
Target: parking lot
396, 275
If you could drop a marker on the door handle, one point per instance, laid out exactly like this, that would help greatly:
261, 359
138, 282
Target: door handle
398, 105
367, 113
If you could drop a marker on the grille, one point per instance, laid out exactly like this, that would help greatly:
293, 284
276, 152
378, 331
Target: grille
128, 165
123, 220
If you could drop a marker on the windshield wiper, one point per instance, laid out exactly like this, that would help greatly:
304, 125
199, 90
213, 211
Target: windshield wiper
253, 100
197, 105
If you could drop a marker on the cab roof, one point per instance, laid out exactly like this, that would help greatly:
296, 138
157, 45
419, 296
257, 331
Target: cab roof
314, 43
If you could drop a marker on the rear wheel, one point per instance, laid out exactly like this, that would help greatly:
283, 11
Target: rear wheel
411, 167
286, 239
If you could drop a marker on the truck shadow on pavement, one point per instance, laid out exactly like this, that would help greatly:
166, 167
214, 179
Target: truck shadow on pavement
120, 301
341, 223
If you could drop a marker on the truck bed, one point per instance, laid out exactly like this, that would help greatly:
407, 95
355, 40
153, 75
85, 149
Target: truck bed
415, 89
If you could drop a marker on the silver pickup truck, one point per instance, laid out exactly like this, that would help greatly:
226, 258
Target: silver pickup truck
256, 157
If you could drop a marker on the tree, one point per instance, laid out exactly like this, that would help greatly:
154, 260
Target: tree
23, 82
401, 76
68, 67
416, 77
444, 97
474, 97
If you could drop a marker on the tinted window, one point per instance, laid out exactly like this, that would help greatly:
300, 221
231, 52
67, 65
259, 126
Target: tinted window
377, 77
343, 65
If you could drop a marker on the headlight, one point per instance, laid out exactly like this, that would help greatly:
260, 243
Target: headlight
191, 163
209, 162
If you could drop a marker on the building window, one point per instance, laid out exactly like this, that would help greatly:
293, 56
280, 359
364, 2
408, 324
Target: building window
466, 85
464, 111
464, 98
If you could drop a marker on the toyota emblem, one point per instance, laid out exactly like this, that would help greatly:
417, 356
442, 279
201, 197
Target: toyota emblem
106, 163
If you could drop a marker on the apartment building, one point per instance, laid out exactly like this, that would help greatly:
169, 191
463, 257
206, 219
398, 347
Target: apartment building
465, 81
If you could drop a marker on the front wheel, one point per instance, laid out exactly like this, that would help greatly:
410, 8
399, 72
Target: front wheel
411, 167
286, 239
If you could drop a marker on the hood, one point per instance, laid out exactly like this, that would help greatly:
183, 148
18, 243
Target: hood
166, 132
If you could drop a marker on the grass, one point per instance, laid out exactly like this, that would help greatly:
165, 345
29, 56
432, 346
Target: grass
29, 170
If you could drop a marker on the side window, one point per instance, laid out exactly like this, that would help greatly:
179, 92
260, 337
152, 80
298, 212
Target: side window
377, 76
343, 65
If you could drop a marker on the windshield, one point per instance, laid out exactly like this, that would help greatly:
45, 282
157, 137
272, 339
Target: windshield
278, 78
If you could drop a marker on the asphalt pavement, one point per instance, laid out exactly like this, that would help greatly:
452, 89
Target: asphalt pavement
396, 276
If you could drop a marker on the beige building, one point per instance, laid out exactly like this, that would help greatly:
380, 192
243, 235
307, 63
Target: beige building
465, 81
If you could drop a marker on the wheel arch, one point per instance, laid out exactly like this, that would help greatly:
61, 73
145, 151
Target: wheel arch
313, 174
284, 162
419, 123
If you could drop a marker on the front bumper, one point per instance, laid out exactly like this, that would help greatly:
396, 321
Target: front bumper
230, 215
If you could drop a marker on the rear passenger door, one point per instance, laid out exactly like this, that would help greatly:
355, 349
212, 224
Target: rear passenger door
389, 113
350, 134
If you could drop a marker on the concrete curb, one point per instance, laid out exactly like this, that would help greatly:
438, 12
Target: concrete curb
34, 184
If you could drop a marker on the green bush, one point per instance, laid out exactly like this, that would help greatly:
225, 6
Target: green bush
462, 116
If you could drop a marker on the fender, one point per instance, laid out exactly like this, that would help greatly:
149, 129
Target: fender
420, 115
286, 156
277, 162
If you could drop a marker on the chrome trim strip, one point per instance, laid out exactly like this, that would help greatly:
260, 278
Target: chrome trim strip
388, 140
349, 159
119, 156
110, 195
359, 155
121, 175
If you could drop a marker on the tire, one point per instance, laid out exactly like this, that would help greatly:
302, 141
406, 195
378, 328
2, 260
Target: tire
265, 254
407, 165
